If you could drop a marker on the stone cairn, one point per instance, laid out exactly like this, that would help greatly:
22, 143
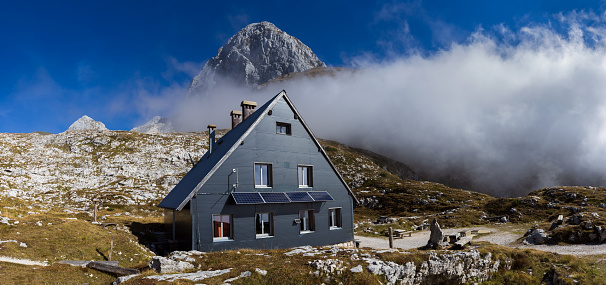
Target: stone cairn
436, 238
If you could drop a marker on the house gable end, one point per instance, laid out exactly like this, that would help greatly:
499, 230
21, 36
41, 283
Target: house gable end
209, 164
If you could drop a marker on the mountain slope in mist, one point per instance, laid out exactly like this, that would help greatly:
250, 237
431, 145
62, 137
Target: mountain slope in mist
257, 54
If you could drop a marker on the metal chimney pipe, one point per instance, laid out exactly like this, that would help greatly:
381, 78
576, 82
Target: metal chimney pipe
248, 107
235, 118
211, 138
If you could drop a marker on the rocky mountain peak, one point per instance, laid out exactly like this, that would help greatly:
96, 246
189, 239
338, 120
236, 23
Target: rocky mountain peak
87, 123
157, 125
258, 53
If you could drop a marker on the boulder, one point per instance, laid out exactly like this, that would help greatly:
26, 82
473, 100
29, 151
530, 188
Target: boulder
537, 236
436, 237
575, 219
167, 265
557, 223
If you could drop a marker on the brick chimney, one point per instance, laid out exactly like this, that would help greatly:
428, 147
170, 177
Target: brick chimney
211, 138
248, 107
235, 118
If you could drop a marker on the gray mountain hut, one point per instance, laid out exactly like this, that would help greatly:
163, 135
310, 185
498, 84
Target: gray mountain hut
267, 183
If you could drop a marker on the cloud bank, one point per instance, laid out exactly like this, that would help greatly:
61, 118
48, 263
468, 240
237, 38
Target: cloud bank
505, 112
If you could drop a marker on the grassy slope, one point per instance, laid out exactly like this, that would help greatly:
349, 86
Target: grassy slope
54, 234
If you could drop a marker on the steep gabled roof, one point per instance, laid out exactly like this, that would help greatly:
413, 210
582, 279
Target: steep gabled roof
208, 164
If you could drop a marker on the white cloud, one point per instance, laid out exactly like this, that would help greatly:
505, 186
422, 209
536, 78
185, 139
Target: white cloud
174, 67
507, 118
505, 112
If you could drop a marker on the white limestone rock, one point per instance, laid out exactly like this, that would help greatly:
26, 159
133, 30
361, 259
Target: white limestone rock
71, 168
536, 236
167, 265
87, 123
455, 268
255, 55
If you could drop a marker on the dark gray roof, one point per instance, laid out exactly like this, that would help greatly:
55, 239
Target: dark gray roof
208, 164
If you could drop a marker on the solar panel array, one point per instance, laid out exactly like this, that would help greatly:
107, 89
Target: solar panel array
247, 198
299, 197
280, 197
275, 197
320, 196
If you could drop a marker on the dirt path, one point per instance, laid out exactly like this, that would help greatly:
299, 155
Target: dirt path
501, 235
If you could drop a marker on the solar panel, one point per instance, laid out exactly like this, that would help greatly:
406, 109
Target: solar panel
299, 197
247, 198
275, 197
320, 196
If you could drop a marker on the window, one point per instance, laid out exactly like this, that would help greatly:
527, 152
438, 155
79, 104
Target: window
334, 218
282, 128
305, 176
264, 224
222, 229
263, 175
307, 221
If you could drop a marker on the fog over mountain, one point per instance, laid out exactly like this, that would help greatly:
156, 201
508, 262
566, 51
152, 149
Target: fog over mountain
506, 112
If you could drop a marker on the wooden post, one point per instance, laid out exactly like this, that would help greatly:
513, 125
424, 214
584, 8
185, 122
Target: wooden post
111, 247
390, 237
96, 203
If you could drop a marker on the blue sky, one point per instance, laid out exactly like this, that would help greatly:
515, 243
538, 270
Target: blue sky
65, 59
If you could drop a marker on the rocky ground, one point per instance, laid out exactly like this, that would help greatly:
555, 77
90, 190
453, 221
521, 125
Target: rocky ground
74, 167
48, 182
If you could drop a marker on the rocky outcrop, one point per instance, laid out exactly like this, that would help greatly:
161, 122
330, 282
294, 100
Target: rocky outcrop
87, 123
455, 268
71, 168
157, 125
327, 265
177, 261
257, 54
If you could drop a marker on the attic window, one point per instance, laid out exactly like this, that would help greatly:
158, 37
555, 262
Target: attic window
283, 128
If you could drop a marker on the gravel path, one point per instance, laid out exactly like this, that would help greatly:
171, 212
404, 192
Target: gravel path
500, 235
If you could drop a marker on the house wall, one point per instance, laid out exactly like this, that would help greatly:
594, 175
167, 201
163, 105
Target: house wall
284, 152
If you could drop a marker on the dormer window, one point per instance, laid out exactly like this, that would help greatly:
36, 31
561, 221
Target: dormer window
283, 128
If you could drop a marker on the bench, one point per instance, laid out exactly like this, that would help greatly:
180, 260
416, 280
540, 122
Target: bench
401, 233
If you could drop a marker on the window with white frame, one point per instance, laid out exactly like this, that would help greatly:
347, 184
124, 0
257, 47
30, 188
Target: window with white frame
307, 223
222, 227
334, 218
263, 175
264, 224
305, 175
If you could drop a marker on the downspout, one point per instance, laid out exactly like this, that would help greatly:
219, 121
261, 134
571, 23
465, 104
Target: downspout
174, 226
